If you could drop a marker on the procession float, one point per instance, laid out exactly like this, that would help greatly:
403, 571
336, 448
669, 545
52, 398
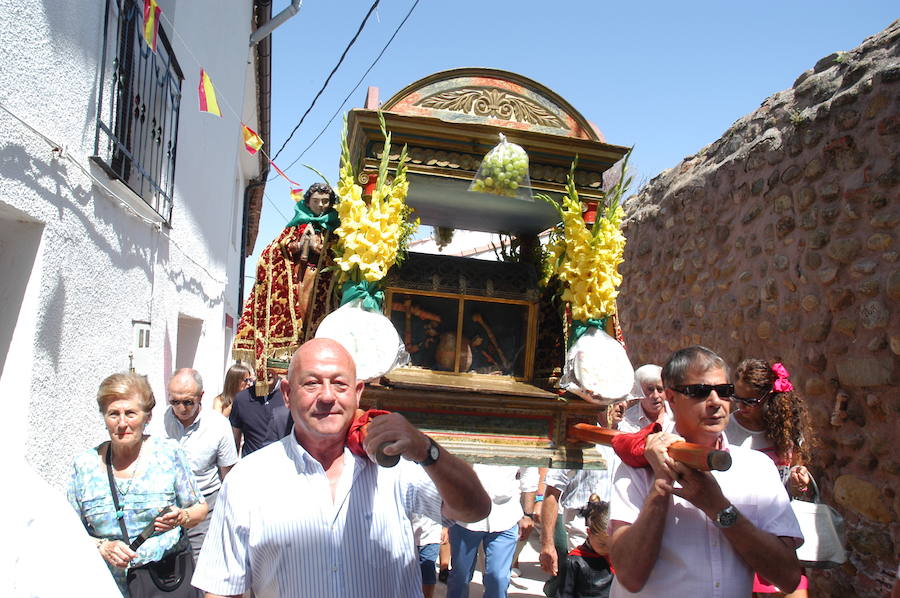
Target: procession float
497, 360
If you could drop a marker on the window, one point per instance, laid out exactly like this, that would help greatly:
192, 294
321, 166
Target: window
140, 356
137, 107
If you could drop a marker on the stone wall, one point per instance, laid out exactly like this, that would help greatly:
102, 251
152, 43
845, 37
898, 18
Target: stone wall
779, 241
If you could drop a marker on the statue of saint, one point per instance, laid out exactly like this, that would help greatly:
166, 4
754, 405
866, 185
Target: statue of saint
272, 322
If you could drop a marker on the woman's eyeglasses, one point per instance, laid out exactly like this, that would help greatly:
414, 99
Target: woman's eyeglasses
702, 391
249, 380
752, 400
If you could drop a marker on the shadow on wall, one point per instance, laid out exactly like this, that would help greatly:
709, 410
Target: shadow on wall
77, 31
51, 181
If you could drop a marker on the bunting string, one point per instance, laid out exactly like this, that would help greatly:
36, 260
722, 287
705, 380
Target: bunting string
211, 102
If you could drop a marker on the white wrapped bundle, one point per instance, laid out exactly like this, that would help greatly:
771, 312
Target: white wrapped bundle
597, 368
369, 337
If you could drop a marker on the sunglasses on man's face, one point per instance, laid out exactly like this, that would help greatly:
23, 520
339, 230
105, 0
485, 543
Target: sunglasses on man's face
186, 402
702, 391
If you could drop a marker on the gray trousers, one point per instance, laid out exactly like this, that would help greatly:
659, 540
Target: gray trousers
198, 532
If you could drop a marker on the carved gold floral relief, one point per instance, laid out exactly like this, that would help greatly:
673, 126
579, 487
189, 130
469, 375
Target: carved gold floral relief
494, 103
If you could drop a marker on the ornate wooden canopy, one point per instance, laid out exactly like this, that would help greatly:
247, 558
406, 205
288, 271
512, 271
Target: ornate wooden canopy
451, 119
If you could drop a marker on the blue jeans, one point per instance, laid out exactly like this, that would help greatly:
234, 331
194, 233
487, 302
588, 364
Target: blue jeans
428, 555
498, 554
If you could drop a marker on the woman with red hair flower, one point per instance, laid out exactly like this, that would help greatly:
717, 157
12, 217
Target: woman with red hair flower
771, 417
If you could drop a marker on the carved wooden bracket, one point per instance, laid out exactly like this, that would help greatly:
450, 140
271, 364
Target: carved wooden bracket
493, 103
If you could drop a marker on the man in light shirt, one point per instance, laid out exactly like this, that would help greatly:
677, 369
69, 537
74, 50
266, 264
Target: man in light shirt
511, 490
568, 491
206, 437
676, 531
652, 406
307, 518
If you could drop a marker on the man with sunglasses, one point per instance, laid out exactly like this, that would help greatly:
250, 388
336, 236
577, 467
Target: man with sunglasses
676, 531
206, 437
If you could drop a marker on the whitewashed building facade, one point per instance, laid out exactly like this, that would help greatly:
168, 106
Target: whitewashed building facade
124, 210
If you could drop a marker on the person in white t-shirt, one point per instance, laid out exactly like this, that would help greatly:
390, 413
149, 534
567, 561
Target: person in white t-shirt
677, 531
42, 529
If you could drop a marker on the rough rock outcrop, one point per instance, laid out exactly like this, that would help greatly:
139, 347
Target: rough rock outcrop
780, 241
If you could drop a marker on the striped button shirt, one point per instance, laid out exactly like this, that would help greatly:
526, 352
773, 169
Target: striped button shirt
276, 530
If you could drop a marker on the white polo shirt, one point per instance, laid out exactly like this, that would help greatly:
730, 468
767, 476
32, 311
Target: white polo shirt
208, 443
505, 485
695, 558
635, 419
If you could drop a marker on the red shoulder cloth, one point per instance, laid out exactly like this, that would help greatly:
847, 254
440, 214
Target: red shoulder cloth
356, 434
629, 446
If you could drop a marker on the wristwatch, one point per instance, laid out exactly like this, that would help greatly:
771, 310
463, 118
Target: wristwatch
434, 451
726, 517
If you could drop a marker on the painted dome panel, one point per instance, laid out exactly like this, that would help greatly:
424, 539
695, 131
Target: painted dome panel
491, 97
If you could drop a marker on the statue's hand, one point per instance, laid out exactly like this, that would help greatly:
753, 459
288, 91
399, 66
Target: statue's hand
316, 243
293, 250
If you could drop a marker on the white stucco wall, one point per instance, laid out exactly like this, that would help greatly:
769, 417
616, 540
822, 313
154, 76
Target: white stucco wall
96, 266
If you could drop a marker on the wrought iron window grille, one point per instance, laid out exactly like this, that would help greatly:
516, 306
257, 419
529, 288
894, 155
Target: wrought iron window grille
138, 107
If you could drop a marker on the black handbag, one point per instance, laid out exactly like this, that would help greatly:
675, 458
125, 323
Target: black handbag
171, 575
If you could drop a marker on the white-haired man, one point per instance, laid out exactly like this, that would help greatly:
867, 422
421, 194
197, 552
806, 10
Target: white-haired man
206, 437
652, 406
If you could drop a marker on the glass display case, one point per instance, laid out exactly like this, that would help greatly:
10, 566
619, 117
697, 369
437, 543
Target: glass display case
463, 334
486, 325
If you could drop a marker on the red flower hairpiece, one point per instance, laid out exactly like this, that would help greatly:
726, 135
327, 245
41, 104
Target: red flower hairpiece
782, 384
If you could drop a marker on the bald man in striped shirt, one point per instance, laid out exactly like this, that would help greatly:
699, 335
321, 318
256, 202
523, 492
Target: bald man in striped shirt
305, 517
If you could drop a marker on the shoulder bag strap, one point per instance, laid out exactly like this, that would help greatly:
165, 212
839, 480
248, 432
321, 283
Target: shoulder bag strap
120, 514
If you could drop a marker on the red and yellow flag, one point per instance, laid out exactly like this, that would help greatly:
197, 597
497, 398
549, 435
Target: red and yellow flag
208, 101
251, 140
297, 194
151, 22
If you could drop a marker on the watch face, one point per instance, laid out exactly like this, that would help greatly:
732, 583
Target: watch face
434, 452
727, 517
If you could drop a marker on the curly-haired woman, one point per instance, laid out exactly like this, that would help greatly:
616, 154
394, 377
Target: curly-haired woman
771, 417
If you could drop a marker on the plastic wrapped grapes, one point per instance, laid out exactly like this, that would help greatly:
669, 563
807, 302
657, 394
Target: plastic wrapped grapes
504, 171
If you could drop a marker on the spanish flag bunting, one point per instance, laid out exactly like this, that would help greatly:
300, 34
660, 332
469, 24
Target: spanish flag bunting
284, 176
208, 101
297, 194
251, 140
151, 22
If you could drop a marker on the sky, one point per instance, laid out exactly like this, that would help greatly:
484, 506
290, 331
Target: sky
665, 77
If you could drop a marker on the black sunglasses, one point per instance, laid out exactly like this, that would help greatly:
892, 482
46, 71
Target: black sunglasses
187, 402
701, 391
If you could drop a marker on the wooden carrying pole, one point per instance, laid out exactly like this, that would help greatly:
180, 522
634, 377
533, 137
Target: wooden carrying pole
694, 455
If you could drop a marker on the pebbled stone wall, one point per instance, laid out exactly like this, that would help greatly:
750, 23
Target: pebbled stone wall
779, 241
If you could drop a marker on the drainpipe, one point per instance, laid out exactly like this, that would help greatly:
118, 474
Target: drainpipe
248, 193
276, 21
256, 187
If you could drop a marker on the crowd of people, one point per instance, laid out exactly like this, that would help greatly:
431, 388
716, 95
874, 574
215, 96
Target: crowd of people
305, 510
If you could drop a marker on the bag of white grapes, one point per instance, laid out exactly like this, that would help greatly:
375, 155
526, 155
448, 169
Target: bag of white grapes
504, 171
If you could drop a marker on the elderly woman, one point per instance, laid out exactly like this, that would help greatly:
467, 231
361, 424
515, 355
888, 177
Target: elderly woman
148, 474
652, 406
237, 378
